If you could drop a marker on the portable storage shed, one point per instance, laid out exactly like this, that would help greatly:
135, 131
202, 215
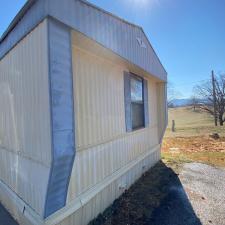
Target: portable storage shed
82, 111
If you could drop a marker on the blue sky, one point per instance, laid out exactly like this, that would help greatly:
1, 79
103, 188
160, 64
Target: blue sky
188, 35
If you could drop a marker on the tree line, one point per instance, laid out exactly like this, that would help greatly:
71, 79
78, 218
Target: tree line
209, 96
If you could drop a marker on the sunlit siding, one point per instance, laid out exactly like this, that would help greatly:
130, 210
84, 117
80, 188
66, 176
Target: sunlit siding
25, 141
99, 99
103, 196
162, 108
103, 146
111, 32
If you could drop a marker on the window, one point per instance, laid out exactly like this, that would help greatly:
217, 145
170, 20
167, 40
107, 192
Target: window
137, 102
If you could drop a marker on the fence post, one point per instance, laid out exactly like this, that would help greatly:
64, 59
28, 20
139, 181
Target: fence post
173, 125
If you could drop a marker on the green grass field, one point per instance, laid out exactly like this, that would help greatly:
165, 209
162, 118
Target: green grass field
191, 140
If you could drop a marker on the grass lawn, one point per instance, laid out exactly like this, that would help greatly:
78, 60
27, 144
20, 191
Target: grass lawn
191, 140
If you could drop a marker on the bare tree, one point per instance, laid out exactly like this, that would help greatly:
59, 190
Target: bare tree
205, 92
194, 102
172, 94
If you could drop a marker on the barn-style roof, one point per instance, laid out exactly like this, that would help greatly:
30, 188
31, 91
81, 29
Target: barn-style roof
123, 38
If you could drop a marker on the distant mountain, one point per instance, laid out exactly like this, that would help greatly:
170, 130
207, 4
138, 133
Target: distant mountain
181, 102
184, 102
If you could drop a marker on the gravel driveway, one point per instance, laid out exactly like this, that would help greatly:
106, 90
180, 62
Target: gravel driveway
199, 198
205, 187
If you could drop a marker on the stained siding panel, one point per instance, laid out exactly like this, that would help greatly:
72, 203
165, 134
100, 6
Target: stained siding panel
25, 140
25, 121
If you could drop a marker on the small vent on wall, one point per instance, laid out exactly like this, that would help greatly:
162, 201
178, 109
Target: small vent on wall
123, 186
141, 43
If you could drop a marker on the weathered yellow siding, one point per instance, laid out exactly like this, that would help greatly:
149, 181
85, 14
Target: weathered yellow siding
99, 102
161, 109
25, 141
88, 206
103, 146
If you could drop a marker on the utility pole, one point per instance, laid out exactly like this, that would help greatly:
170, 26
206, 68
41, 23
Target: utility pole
214, 98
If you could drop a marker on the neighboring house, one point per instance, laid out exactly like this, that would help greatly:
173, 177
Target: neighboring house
82, 111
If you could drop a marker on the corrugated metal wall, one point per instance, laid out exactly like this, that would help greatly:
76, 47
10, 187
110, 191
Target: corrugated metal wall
109, 31
25, 141
102, 142
162, 108
105, 196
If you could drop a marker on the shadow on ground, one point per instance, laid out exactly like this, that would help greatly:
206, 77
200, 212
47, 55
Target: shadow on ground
157, 198
5, 217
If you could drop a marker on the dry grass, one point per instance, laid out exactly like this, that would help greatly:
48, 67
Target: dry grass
191, 123
191, 141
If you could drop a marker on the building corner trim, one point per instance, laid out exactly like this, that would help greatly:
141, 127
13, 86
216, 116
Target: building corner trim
62, 115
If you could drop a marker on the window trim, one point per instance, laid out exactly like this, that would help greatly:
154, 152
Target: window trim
139, 78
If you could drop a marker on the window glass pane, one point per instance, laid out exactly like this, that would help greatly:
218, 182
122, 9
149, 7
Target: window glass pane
136, 89
137, 115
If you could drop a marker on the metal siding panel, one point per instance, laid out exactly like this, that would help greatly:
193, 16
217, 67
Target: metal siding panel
92, 22
127, 101
61, 92
34, 15
103, 146
98, 87
95, 202
162, 109
25, 140
146, 103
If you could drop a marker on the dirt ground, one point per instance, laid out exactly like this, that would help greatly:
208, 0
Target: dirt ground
203, 149
136, 206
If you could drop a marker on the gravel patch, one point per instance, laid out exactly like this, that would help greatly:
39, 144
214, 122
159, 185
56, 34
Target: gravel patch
205, 187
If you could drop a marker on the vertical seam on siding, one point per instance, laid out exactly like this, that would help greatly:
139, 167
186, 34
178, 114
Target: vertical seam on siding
50, 106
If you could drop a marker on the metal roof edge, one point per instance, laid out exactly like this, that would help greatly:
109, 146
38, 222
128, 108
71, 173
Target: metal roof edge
109, 13
153, 49
124, 21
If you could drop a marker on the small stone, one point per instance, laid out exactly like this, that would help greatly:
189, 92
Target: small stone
214, 136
